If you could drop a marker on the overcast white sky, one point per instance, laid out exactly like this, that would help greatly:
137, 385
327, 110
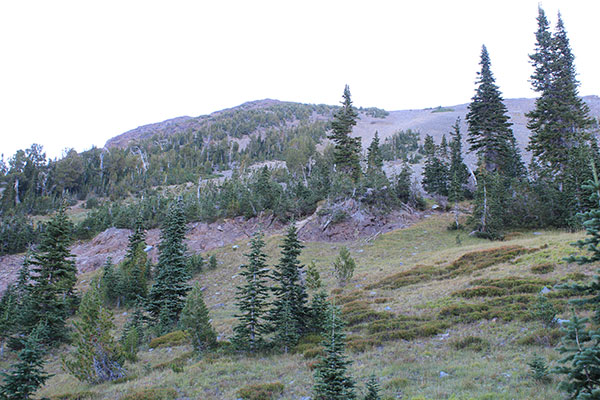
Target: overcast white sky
75, 73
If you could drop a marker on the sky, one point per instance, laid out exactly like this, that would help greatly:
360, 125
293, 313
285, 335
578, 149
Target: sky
76, 73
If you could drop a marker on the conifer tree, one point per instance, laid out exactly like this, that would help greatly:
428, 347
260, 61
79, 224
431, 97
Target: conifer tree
133, 335
195, 319
98, 357
251, 298
28, 375
490, 133
458, 172
374, 156
435, 173
133, 268
110, 284
313, 278
167, 295
372, 389
347, 149
560, 120
318, 312
581, 360
289, 293
344, 266
52, 294
332, 381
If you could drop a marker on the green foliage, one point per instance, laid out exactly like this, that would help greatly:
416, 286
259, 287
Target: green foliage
539, 369
110, 283
261, 391
490, 134
332, 381
289, 311
167, 295
435, 173
26, 376
402, 145
318, 312
51, 295
457, 171
372, 389
195, 319
344, 266
347, 149
474, 343
175, 338
212, 262
152, 394
195, 263
132, 336
97, 357
544, 311
313, 278
251, 298
580, 363
133, 285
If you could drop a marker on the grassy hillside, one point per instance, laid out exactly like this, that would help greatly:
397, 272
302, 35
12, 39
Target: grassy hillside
422, 304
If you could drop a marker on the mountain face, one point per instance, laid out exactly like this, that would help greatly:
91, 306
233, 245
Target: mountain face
430, 121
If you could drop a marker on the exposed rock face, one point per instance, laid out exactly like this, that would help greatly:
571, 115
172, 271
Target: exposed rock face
202, 237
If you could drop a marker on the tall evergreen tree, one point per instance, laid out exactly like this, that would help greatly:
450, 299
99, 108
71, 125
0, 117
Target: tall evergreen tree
167, 295
97, 357
372, 389
133, 268
374, 156
560, 120
490, 133
110, 284
347, 149
332, 381
195, 319
28, 375
289, 292
251, 298
52, 295
435, 173
457, 172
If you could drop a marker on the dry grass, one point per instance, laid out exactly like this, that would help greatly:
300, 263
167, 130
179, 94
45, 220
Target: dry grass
400, 333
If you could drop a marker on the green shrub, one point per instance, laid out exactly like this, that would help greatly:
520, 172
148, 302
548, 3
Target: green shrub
474, 343
176, 338
543, 268
261, 391
152, 394
480, 291
75, 396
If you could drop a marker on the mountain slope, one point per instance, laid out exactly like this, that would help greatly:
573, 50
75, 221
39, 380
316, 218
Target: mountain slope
433, 121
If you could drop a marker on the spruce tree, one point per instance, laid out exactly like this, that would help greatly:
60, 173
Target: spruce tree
372, 389
374, 156
435, 173
167, 295
490, 133
195, 319
52, 294
560, 120
581, 360
28, 375
344, 266
110, 284
133, 267
457, 172
288, 291
251, 299
318, 312
347, 149
313, 278
332, 381
97, 357
133, 335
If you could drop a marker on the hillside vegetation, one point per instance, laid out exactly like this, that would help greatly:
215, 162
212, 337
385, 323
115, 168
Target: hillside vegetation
419, 304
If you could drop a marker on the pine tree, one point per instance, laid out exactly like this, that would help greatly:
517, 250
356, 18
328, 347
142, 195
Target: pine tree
212, 262
98, 357
581, 360
289, 292
251, 298
110, 284
435, 173
490, 198
490, 133
132, 336
347, 149
344, 266
167, 295
331, 373
52, 294
318, 312
373, 389
28, 375
133, 268
560, 119
313, 278
458, 172
195, 319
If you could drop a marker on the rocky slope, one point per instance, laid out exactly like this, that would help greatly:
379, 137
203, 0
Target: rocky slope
433, 121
